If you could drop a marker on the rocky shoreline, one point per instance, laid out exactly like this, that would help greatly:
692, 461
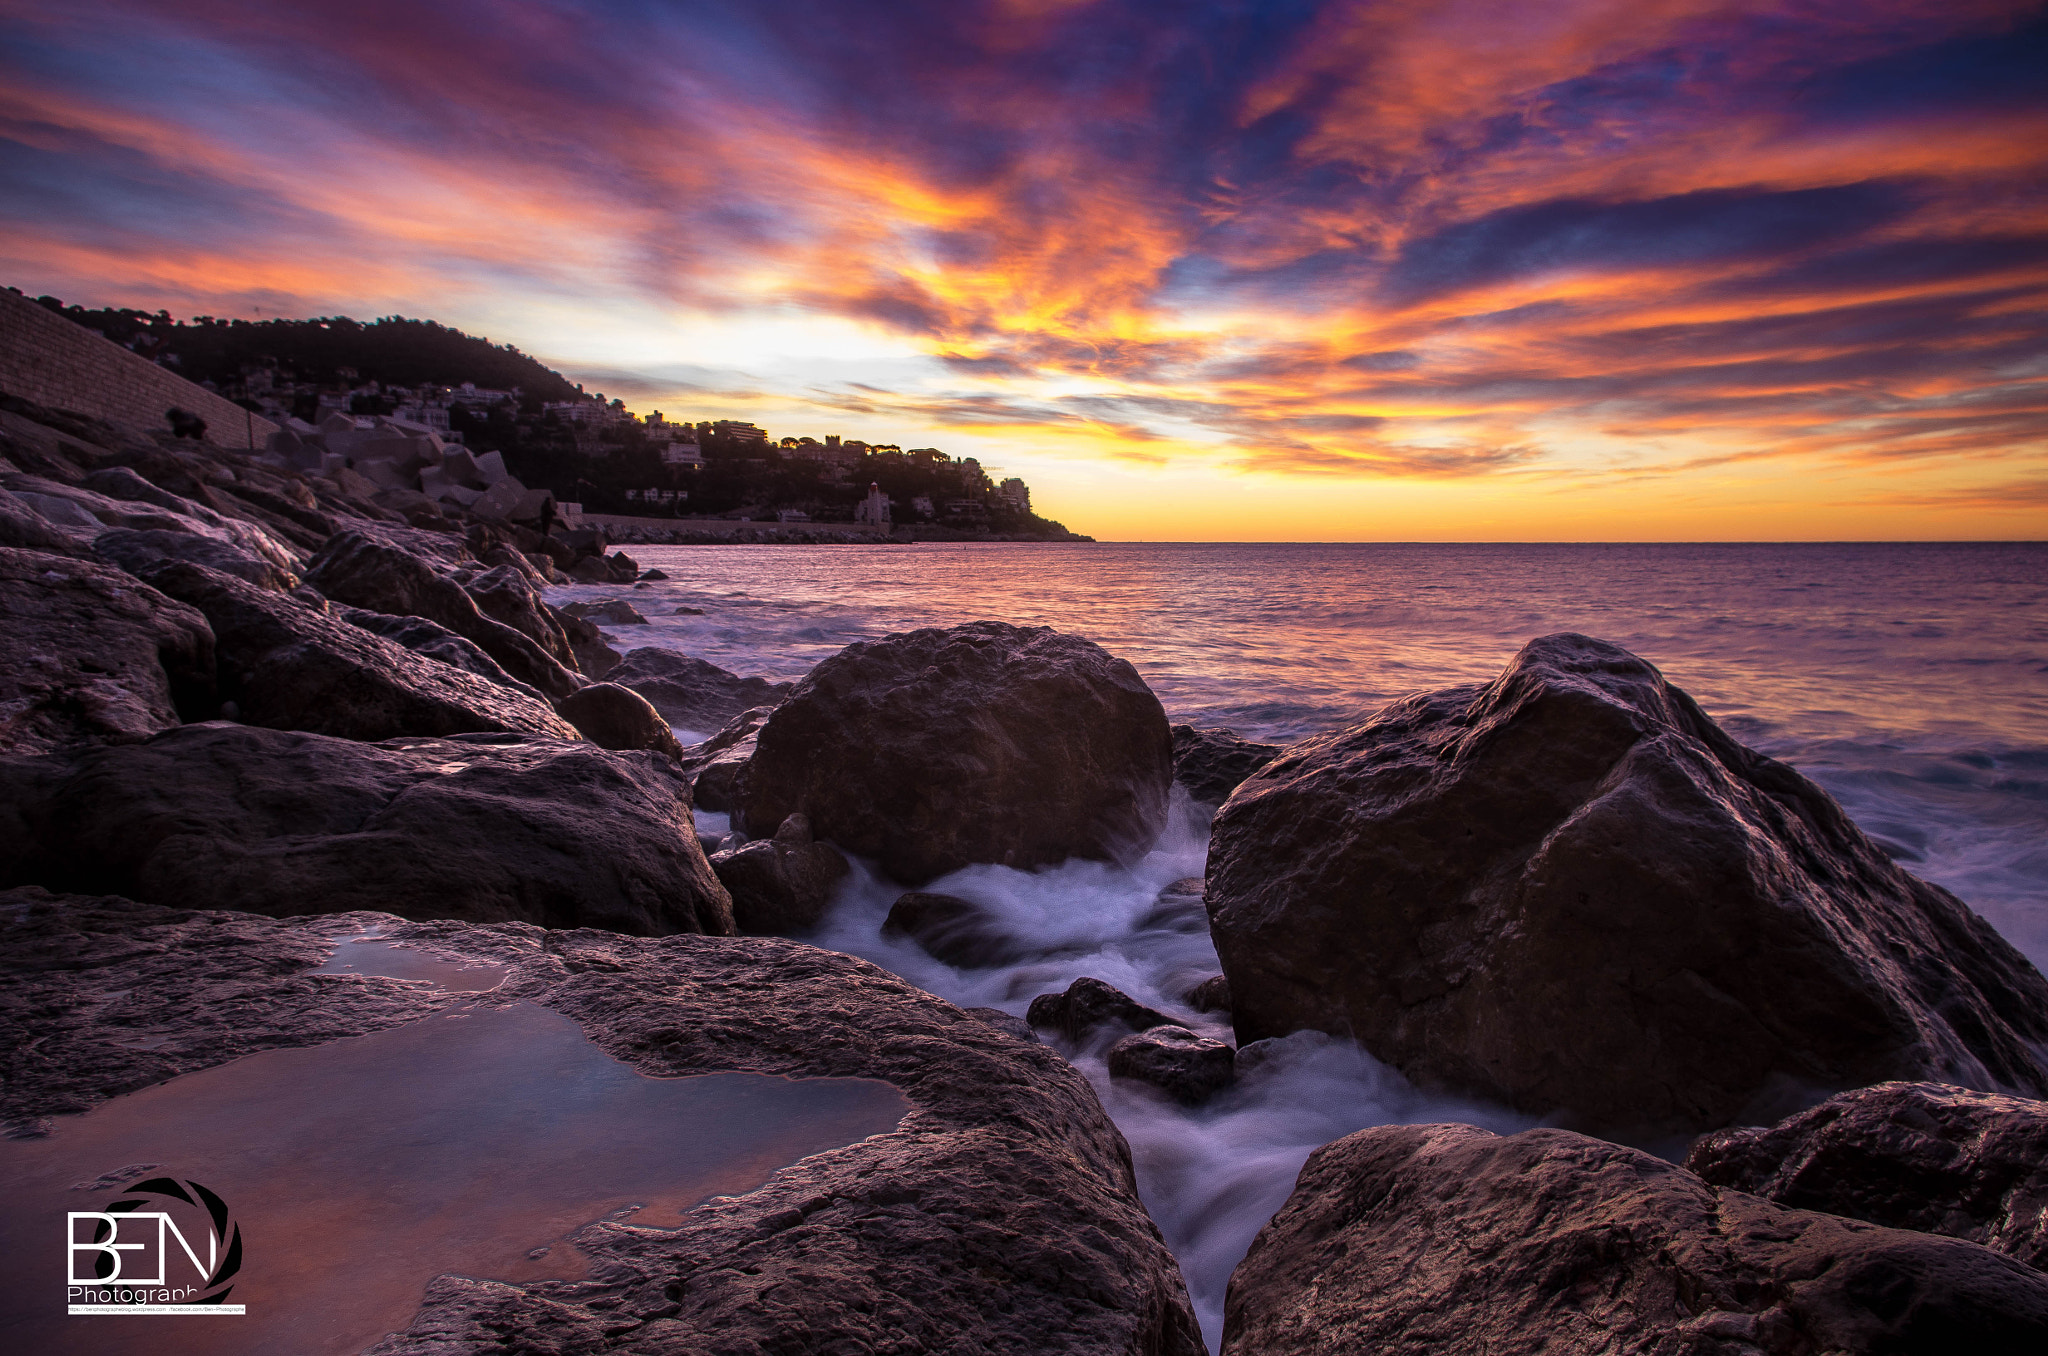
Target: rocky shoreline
246, 714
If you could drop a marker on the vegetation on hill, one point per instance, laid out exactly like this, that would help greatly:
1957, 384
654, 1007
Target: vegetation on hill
328, 349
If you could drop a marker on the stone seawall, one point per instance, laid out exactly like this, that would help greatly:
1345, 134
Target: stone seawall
56, 362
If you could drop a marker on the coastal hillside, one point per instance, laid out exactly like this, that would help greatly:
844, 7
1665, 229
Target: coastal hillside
580, 447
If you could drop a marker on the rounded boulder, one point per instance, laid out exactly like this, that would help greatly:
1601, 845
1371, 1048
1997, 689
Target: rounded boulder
987, 742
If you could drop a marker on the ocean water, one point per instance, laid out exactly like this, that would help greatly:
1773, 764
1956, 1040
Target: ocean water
1909, 680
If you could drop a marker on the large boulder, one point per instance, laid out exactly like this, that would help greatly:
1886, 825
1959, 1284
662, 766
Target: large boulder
23, 528
1431, 1238
1212, 762
1923, 1156
288, 665
364, 571
92, 656
1569, 891
717, 765
614, 717
978, 743
132, 550
780, 885
594, 658
488, 828
690, 692
999, 1215
509, 595
431, 639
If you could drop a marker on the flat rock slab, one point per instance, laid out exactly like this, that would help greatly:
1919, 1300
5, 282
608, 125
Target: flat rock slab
1000, 1216
1413, 1239
1926, 1156
487, 829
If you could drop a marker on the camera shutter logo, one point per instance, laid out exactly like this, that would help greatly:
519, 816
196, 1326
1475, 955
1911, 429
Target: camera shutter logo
194, 1265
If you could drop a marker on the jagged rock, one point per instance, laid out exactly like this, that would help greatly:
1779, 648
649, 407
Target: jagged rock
1211, 763
433, 640
22, 528
1089, 1004
288, 665
1925, 1156
617, 611
508, 594
780, 885
1211, 995
953, 930
133, 550
486, 828
613, 717
1569, 891
92, 656
1430, 1238
1188, 1068
594, 658
717, 764
363, 571
1001, 1215
690, 692
979, 743
589, 570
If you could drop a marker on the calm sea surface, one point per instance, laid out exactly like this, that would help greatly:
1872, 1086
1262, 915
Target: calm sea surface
1909, 680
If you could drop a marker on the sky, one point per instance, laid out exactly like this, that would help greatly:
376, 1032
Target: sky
1195, 269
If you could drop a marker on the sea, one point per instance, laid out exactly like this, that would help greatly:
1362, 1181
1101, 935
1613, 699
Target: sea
1908, 679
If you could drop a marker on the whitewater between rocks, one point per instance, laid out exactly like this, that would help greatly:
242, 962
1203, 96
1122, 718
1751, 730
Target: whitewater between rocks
1213, 1175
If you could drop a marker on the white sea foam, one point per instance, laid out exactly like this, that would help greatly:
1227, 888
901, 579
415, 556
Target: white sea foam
1909, 680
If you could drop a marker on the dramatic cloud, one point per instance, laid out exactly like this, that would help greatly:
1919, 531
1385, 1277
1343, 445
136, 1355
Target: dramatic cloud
1466, 241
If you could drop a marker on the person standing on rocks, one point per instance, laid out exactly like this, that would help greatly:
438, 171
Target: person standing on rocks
547, 516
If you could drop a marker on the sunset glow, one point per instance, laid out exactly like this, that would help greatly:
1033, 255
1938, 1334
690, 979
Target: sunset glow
1385, 269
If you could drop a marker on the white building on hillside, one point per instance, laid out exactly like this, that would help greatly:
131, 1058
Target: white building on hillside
874, 509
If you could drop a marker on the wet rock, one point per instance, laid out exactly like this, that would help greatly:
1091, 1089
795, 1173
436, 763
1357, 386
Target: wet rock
1211, 762
489, 829
1211, 995
613, 717
718, 763
1178, 908
589, 570
1569, 891
433, 640
1925, 1156
93, 656
1002, 1214
1188, 1068
363, 571
594, 658
1005, 1022
652, 575
132, 550
954, 930
692, 693
616, 611
979, 743
511, 596
290, 666
780, 885
1432, 1238
1089, 1004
